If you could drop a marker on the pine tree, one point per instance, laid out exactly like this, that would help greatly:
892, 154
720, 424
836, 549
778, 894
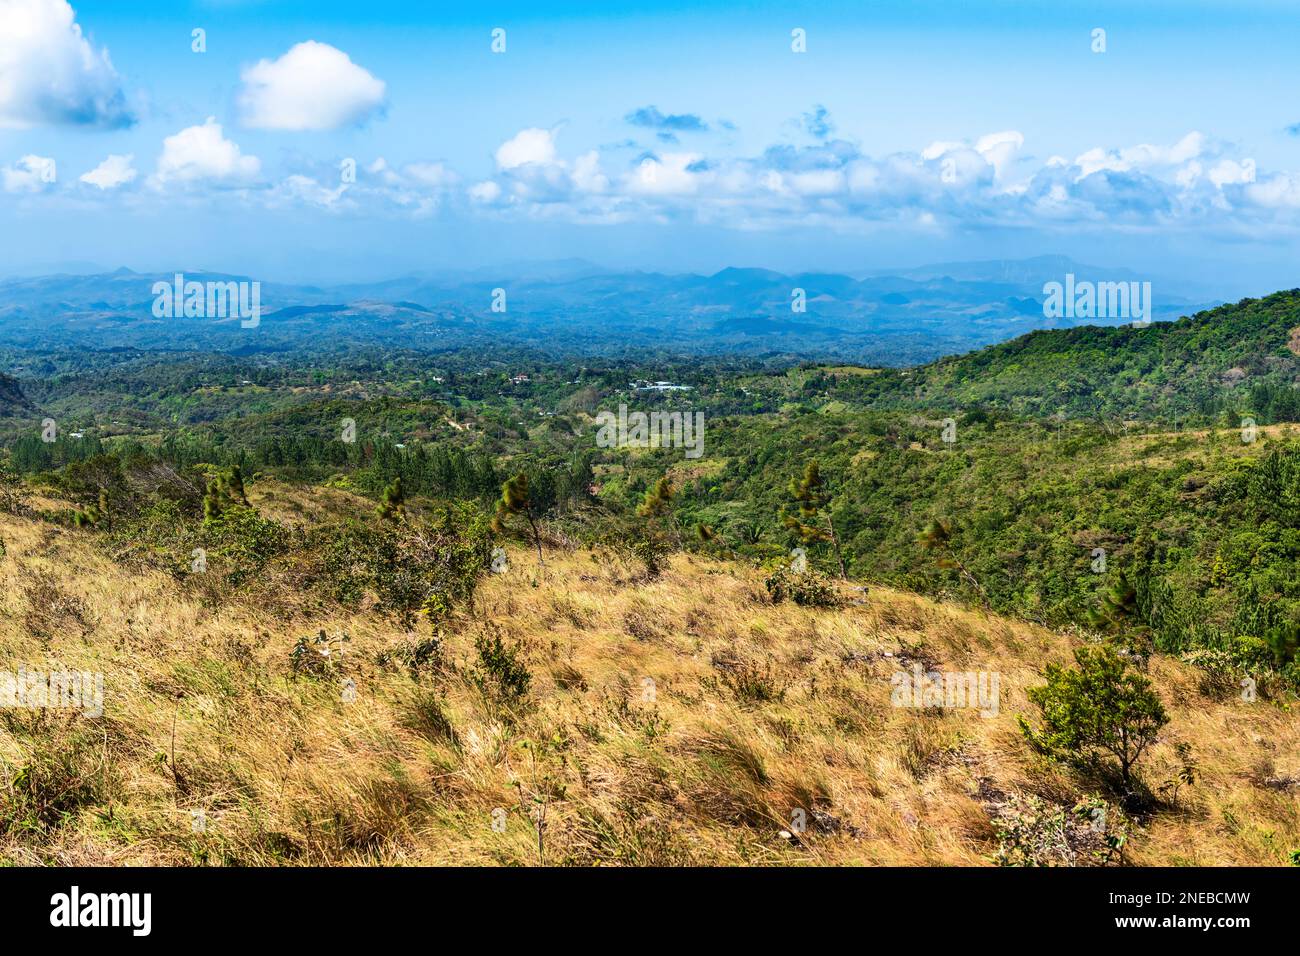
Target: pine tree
937, 536
658, 503
212, 501
235, 486
1119, 605
393, 505
223, 491
813, 498
657, 500
515, 500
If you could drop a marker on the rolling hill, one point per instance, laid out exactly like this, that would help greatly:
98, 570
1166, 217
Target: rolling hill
679, 719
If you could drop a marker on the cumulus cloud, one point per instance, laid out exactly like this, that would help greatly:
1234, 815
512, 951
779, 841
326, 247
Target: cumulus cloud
113, 172
202, 154
529, 146
50, 73
314, 86
31, 174
987, 182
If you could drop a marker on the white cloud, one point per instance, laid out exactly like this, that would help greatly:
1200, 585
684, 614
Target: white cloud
31, 174
1280, 191
985, 182
430, 175
314, 86
999, 150
1142, 157
113, 172
50, 73
305, 189
527, 146
669, 174
486, 192
587, 175
203, 154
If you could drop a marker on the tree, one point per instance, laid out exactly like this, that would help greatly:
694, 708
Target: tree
93, 514
658, 503
222, 491
937, 536
393, 504
212, 501
657, 500
813, 498
1120, 611
1099, 707
235, 485
1283, 641
1119, 605
516, 501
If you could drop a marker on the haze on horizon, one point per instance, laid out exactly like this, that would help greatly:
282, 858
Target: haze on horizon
326, 142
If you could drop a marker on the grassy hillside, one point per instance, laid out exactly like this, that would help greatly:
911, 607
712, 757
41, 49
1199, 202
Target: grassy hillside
758, 710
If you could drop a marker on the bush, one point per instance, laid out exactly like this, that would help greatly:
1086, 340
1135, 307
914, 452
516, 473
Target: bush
805, 588
1032, 833
1096, 709
750, 682
430, 567
318, 656
246, 541
500, 673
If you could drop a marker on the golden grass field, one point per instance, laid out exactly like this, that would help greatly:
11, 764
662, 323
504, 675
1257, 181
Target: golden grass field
211, 752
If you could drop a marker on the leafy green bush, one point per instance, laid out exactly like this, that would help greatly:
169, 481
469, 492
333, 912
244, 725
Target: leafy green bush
1095, 709
500, 673
246, 541
1034, 833
805, 588
431, 566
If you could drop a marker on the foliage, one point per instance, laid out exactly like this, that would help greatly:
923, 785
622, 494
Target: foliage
515, 500
500, 672
805, 588
1097, 708
1034, 833
393, 504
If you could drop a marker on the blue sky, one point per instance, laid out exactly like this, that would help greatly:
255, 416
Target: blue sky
658, 136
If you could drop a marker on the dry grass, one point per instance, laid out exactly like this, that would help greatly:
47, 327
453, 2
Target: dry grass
683, 720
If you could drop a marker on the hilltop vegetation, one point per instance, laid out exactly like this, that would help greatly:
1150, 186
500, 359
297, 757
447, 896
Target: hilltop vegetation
383, 594
588, 712
1217, 365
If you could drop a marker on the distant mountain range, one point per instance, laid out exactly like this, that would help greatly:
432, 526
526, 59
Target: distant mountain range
889, 318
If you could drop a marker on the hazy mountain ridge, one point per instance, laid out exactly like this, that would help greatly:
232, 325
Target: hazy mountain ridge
894, 319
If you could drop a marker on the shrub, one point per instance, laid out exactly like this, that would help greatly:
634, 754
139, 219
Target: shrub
805, 588
431, 567
1033, 833
246, 541
317, 656
750, 682
1099, 707
62, 770
500, 673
